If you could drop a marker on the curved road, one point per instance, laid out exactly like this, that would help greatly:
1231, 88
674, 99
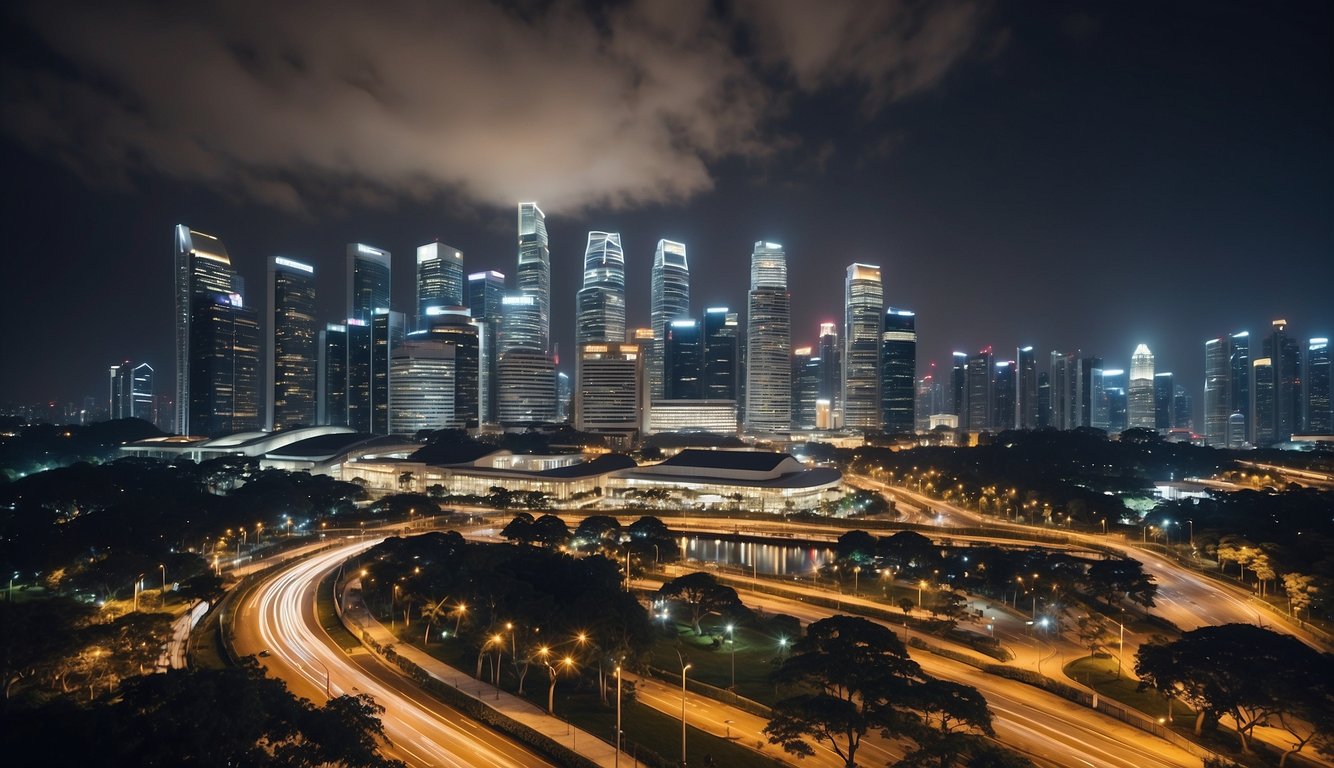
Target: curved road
278, 616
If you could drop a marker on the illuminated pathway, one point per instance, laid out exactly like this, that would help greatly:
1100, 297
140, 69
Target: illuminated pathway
279, 617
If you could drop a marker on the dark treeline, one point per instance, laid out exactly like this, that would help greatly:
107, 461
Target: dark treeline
28, 449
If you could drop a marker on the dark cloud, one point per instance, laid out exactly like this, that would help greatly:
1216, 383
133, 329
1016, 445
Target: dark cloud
360, 103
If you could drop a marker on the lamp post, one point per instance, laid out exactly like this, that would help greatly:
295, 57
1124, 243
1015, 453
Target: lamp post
856, 578
920, 585
163, 567
683, 714
1192, 533
731, 636
138, 584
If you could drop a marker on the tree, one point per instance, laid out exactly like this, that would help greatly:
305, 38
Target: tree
520, 529
1300, 589
35, 638
702, 593
1092, 632
856, 547
598, 532
1112, 579
854, 676
550, 531
1245, 672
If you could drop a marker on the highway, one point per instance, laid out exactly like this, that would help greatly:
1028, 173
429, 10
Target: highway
278, 617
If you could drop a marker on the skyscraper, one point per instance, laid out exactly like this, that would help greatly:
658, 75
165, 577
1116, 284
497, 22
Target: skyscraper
864, 307
1164, 401
1318, 418
131, 393
1227, 389
805, 388
1264, 403
368, 280
527, 392
1063, 390
683, 361
224, 367
293, 354
721, 329
1025, 389
459, 335
202, 271
607, 399
1140, 409
1044, 401
831, 371
533, 277
1092, 400
768, 341
370, 347
958, 384
978, 396
1003, 390
600, 303
422, 385
669, 299
1114, 397
331, 384
486, 296
439, 278
898, 370
1284, 353
1183, 417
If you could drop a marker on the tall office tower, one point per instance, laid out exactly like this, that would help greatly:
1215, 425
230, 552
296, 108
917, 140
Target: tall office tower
1115, 397
421, 385
721, 330
1164, 401
1317, 412
1089, 390
768, 341
1062, 389
1285, 355
926, 387
1183, 416
527, 393
331, 386
600, 303
1264, 402
978, 397
533, 277
293, 345
387, 331
608, 398
1044, 401
202, 271
486, 295
1025, 389
1318, 419
805, 388
439, 278
1227, 389
359, 359
898, 370
683, 361
460, 336
863, 320
564, 396
831, 371
1140, 411
1003, 392
368, 280
224, 367
669, 288
131, 392
958, 384
118, 391
370, 347
517, 331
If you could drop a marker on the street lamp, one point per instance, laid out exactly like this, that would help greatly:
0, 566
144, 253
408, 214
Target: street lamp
618, 715
856, 578
920, 585
164, 583
683, 714
731, 636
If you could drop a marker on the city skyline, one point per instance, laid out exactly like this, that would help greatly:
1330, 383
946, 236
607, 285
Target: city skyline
949, 233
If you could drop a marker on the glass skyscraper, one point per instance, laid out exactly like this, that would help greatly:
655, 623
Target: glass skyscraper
1140, 411
1025, 389
1280, 421
439, 278
533, 277
1003, 390
203, 271
1319, 420
1227, 390
224, 367
978, 396
683, 361
721, 329
768, 341
805, 388
898, 371
864, 307
669, 299
831, 371
600, 303
293, 353
1164, 401
368, 280
486, 297
331, 386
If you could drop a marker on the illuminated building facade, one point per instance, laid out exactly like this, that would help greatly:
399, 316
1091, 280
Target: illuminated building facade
669, 299
600, 303
486, 297
202, 271
768, 341
610, 383
898, 371
721, 351
1141, 411
368, 280
293, 354
439, 278
864, 307
533, 278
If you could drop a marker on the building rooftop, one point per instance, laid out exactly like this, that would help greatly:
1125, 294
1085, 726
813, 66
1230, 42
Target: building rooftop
744, 461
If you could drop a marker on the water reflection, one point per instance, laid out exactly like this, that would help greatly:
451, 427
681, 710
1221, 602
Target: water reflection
771, 559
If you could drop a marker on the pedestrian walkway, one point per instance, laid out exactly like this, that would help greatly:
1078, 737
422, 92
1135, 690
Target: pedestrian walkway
358, 619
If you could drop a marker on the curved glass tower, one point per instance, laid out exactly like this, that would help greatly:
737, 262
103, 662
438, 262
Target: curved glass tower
601, 301
533, 276
669, 300
203, 271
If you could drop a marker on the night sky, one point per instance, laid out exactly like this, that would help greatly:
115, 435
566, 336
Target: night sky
1065, 175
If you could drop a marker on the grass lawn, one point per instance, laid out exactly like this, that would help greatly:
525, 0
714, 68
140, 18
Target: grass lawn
755, 654
578, 702
1099, 673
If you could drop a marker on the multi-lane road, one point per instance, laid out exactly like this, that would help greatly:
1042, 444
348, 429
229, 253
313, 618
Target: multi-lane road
277, 622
